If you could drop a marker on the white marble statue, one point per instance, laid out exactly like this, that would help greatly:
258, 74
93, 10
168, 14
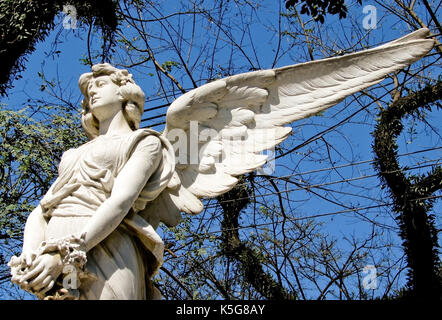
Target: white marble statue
93, 234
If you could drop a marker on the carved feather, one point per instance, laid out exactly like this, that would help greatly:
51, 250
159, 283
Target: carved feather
246, 114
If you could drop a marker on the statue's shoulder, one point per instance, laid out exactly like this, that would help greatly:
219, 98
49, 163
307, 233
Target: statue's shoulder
69, 153
162, 142
141, 134
142, 137
147, 132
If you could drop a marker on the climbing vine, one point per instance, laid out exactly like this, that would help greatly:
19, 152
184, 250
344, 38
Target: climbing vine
412, 195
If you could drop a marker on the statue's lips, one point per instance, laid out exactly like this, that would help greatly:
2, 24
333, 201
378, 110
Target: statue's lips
94, 99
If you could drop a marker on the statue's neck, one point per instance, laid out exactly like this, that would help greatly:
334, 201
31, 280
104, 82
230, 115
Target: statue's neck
114, 125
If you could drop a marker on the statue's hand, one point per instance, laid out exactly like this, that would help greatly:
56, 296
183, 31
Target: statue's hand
37, 272
43, 273
28, 258
20, 265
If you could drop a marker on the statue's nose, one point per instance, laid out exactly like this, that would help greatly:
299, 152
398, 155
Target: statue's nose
92, 91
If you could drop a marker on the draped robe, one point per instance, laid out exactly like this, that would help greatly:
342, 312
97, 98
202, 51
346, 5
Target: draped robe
124, 262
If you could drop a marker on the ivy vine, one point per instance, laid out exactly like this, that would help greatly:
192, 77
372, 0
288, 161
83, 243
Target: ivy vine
411, 195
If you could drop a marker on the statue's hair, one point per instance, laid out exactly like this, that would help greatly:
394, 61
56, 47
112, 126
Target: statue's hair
131, 95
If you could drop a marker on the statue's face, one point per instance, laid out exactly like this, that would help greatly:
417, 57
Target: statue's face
103, 92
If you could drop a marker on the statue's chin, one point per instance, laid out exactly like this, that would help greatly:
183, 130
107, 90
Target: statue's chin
102, 109
97, 105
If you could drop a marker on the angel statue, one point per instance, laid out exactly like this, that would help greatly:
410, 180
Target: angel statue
93, 236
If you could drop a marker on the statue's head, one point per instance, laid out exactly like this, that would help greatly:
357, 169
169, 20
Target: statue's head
108, 85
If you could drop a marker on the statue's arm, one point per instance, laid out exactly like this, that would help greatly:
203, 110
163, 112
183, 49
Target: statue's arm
35, 230
36, 225
127, 186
